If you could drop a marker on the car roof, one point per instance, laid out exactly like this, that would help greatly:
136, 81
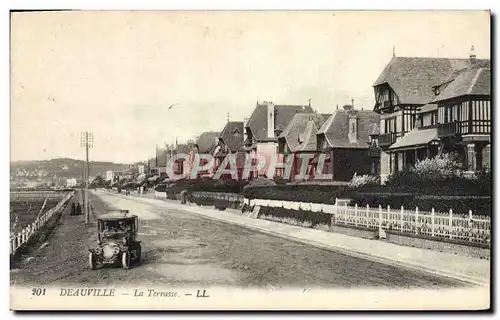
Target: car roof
116, 216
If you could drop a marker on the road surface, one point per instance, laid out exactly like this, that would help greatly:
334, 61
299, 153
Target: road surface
182, 249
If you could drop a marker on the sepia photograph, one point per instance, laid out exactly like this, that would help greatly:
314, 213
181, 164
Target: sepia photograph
250, 160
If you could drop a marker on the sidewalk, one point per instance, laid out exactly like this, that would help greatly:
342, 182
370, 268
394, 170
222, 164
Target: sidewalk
472, 270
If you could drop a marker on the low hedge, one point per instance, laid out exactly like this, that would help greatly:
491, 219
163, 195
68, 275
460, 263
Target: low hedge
480, 205
374, 199
304, 193
315, 218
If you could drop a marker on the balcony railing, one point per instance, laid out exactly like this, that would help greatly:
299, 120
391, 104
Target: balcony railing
457, 128
386, 139
449, 129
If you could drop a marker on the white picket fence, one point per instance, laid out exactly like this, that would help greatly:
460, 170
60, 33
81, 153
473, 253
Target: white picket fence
17, 240
468, 228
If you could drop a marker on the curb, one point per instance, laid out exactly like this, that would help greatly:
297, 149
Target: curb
478, 281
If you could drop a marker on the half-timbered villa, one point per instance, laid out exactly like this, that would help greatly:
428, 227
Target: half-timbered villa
411, 123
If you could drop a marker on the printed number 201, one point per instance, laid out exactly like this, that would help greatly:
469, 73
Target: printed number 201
38, 292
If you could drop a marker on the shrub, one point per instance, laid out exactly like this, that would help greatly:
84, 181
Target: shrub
303, 193
440, 167
480, 205
308, 218
364, 180
395, 200
161, 187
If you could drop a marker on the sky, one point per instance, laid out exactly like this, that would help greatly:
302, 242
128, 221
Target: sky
116, 73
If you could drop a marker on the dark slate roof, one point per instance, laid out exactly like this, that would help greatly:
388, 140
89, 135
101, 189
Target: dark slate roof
336, 128
303, 126
428, 108
232, 135
475, 80
282, 116
207, 141
412, 78
416, 138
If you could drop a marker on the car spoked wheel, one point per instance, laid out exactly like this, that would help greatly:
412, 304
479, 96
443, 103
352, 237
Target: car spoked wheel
126, 260
92, 261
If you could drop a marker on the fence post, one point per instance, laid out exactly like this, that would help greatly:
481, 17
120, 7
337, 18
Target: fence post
23, 236
380, 217
19, 239
450, 226
345, 213
402, 218
416, 220
368, 215
355, 214
388, 212
471, 225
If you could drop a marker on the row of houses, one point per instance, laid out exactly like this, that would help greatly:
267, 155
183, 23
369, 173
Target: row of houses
423, 107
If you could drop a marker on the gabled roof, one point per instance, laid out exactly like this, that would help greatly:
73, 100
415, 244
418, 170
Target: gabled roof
412, 78
232, 135
282, 116
300, 133
336, 128
207, 141
475, 80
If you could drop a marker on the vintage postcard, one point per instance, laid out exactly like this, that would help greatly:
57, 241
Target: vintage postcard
250, 160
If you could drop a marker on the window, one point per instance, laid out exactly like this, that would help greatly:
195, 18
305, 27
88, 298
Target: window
353, 128
390, 125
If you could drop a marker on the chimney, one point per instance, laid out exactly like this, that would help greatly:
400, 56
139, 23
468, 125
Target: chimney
270, 120
353, 125
472, 55
245, 123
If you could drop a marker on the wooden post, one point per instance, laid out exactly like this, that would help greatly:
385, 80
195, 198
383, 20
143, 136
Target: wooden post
416, 220
19, 239
345, 213
368, 214
23, 236
380, 217
471, 225
355, 214
388, 212
402, 218
450, 226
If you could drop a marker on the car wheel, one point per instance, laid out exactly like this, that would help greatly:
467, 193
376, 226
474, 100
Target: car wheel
125, 260
92, 261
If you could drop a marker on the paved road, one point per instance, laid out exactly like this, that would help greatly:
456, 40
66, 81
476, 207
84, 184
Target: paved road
183, 248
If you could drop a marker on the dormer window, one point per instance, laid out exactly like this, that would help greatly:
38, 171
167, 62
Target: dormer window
436, 91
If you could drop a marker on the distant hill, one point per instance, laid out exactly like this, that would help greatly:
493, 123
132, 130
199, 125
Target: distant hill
62, 168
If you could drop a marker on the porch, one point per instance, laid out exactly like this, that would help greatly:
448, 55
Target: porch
415, 146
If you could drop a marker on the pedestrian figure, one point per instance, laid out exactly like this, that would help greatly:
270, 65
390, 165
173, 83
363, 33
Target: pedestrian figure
78, 209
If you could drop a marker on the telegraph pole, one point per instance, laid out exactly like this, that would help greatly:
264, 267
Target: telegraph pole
87, 141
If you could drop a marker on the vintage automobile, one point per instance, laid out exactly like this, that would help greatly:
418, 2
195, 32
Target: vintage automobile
117, 243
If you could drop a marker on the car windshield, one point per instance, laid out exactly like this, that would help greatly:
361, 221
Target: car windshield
116, 228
